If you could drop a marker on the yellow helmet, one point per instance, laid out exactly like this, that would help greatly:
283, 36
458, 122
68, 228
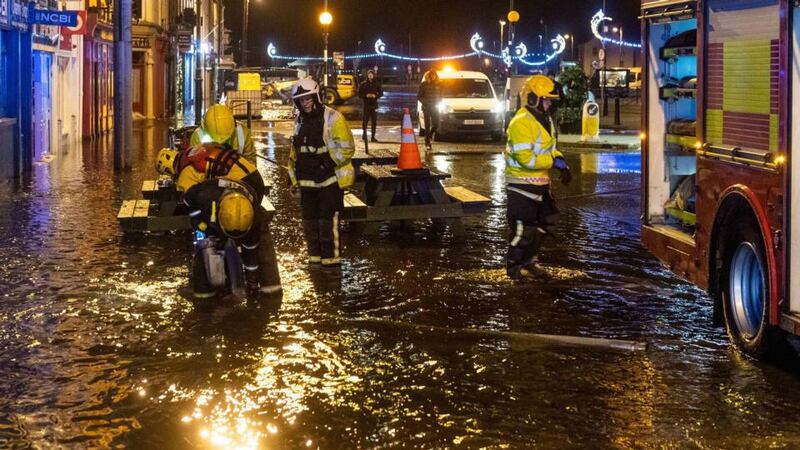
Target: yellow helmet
165, 161
235, 213
541, 87
219, 123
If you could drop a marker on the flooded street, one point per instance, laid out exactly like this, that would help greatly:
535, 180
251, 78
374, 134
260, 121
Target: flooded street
100, 350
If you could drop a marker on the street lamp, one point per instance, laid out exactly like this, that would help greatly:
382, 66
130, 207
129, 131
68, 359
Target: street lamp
325, 19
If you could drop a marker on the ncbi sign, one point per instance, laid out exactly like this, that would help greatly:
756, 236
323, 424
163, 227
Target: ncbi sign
47, 17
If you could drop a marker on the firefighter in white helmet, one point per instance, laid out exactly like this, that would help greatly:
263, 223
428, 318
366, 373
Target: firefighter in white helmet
530, 155
320, 166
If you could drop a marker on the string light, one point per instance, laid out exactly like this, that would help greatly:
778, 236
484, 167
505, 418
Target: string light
598, 19
477, 45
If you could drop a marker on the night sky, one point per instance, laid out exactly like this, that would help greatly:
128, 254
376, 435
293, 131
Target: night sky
435, 27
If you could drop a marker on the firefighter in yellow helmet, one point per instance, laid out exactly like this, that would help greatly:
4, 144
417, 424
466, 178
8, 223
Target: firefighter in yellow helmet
226, 208
320, 166
206, 161
220, 127
530, 154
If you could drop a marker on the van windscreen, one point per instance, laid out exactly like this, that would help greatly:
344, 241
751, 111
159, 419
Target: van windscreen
465, 88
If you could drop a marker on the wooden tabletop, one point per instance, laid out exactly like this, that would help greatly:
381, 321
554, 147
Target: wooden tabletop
384, 173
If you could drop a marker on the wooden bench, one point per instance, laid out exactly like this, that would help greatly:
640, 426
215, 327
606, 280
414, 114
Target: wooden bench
472, 202
144, 216
354, 208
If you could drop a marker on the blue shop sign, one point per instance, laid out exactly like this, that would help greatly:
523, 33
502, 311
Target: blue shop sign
58, 18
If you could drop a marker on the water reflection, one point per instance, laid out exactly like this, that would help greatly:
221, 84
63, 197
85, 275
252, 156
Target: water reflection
101, 350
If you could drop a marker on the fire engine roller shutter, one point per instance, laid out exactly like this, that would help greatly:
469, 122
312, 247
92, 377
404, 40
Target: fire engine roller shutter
742, 74
793, 274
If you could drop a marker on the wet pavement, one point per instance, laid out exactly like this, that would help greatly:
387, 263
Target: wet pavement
99, 349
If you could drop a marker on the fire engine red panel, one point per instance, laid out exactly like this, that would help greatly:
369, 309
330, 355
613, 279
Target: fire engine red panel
745, 130
714, 76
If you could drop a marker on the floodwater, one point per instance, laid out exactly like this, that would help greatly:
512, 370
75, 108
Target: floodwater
99, 350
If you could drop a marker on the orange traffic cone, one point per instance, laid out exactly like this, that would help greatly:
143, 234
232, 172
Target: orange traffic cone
409, 152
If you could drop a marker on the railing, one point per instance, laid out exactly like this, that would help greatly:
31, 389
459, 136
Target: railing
753, 158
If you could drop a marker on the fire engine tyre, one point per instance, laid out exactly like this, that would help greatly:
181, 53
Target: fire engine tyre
745, 292
330, 96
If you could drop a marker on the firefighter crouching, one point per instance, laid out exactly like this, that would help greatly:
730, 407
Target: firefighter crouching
320, 166
220, 127
223, 192
530, 154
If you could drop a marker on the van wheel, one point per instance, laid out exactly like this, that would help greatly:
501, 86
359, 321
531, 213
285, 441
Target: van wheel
745, 292
330, 96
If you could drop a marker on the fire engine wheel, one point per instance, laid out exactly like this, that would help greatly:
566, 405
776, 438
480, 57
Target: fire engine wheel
330, 96
746, 292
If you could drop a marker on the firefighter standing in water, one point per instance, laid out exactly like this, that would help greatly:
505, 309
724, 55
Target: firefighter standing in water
220, 127
209, 175
530, 155
319, 165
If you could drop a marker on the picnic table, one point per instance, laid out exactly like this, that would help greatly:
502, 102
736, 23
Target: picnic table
160, 209
380, 156
392, 195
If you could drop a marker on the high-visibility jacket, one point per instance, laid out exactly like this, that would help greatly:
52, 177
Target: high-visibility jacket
241, 140
340, 145
530, 150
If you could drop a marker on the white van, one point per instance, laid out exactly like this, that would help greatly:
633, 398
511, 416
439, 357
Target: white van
468, 107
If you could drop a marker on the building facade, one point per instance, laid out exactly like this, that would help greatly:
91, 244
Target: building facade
98, 70
151, 60
16, 88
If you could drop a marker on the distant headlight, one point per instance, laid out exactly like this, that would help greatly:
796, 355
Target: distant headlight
499, 107
443, 107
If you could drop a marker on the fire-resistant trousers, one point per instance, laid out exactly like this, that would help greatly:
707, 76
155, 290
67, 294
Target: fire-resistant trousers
321, 207
532, 216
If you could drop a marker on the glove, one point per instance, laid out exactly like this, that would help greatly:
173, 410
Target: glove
560, 164
566, 176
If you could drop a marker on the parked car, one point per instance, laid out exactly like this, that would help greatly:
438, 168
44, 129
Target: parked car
468, 107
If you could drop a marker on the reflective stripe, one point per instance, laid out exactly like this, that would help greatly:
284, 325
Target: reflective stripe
530, 195
213, 212
539, 181
408, 139
312, 150
251, 268
518, 234
195, 213
270, 289
339, 156
314, 259
517, 147
309, 183
331, 261
204, 294
541, 230
336, 234
240, 135
250, 247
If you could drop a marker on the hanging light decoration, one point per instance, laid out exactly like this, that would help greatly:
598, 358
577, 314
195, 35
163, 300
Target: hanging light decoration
595, 23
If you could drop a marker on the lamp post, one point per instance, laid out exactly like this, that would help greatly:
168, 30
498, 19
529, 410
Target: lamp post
619, 30
245, 23
502, 24
325, 19
513, 17
571, 40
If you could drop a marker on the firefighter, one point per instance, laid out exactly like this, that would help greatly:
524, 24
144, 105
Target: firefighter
320, 166
226, 208
530, 154
206, 161
219, 127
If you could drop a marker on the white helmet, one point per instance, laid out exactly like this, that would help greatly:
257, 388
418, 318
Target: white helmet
304, 88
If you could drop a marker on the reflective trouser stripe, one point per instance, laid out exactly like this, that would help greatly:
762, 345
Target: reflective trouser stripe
195, 213
530, 195
518, 234
331, 261
251, 268
270, 289
336, 234
250, 247
309, 183
204, 294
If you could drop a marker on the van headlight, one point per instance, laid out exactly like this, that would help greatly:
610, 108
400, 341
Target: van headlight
498, 108
444, 108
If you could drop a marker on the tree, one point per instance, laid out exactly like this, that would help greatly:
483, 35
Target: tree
576, 86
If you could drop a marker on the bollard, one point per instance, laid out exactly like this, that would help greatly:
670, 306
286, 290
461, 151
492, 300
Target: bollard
616, 111
605, 106
249, 116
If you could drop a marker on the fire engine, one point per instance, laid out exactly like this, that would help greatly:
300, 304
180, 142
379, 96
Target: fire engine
719, 129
